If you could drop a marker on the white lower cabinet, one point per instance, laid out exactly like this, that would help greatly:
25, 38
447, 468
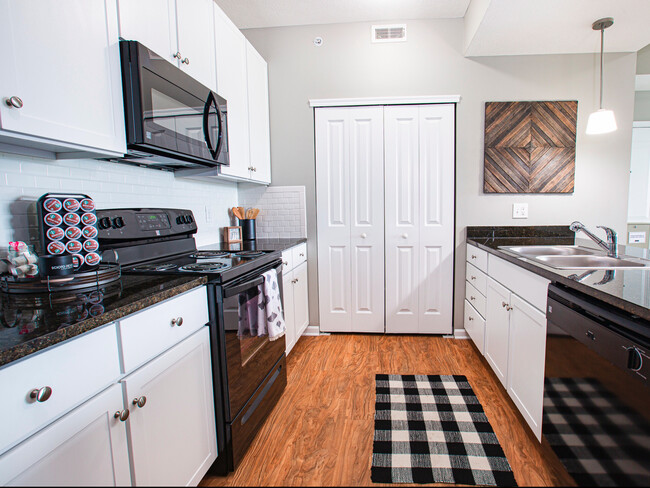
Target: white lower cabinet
295, 293
172, 435
86, 447
497, 328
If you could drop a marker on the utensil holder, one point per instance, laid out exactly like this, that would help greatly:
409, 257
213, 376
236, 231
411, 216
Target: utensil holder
247, 229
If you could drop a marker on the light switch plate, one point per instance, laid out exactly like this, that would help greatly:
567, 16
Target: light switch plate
519, 210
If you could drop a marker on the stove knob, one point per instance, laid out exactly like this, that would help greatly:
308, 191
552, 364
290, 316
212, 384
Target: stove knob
180, 220
104, 223
118, 222
189, 219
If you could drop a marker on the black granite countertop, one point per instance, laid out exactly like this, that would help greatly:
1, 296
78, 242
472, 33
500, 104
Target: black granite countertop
626, 289
32, 322
258, 244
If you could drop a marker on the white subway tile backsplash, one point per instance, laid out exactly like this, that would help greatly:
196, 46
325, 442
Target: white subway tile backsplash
282, 210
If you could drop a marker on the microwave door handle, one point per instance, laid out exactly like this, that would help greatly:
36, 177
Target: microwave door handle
237, 289
206, 125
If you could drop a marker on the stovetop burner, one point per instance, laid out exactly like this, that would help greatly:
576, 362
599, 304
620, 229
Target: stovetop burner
155, 267
209, 254
248, 254
204, 267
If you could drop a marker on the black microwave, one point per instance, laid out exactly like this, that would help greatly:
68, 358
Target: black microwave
173, 122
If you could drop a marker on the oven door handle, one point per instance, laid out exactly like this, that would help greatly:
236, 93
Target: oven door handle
237, 289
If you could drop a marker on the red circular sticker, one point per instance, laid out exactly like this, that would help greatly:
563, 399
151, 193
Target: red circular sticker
89, 219
77, 260
91, 245
53, 219
90, 232
55, 247
73, 233
52, 205
71, 204
87, 205
92, 259
73, 247
71, 219
55, 233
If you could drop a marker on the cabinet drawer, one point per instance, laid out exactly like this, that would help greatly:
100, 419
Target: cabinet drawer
529, 286
287, 260
299, 253
478, 257
475, 327
473, 296
146, 334
74, 370
476, 277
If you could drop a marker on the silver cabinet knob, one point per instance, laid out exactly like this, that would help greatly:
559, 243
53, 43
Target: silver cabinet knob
185, 61
405, 236
364, 235
140, 402
302, 254
473, 256
14, 102
472, 298
504, 304
122, 414
177, 321
177, 55
286, 263
470, 318
41, 394
508, 308
473, 277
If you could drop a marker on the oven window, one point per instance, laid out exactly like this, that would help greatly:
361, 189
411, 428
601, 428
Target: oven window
243, 318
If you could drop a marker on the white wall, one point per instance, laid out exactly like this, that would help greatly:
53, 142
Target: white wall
23, 180
431, 63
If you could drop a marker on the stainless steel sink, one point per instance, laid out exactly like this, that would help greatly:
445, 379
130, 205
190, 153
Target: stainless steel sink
588, 262
551, 250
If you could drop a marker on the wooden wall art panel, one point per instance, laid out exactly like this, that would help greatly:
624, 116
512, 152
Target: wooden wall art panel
530, 147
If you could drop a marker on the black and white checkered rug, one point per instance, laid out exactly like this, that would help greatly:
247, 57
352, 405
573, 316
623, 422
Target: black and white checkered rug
600, 441
432, 429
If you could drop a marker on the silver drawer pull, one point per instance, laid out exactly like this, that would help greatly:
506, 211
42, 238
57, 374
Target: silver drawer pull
177, 55
41, 394
504, 304
508, 308
14, 102
177, 321
471, 318
472, 298
473, 256
122, 415
186, 61
302, 254
140, 402
473, 277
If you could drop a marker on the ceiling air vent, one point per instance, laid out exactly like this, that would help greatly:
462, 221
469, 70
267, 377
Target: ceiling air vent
389, 33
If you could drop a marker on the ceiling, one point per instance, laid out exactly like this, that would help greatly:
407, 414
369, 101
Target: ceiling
492, 27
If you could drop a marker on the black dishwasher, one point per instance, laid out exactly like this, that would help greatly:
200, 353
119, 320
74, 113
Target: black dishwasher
596, 392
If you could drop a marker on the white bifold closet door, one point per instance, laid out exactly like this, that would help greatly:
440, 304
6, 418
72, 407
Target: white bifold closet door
419, 195
350, 218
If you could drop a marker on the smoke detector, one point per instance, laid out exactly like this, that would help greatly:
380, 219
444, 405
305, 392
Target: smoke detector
388, 33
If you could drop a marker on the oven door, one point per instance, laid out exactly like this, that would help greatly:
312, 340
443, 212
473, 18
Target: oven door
249, 357
170, 114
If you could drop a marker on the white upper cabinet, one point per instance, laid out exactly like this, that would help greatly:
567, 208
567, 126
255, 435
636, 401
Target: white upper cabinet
232, 84
258, 115
60, 83
180, 31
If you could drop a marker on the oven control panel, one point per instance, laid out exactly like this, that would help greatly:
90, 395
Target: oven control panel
144, 223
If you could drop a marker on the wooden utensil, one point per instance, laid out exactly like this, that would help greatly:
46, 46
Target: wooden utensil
242, 212
236, 212
256, 211
249, 213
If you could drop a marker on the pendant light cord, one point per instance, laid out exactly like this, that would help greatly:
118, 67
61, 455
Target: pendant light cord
602, 47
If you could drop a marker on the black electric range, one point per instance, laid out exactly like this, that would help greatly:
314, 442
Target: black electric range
249, 372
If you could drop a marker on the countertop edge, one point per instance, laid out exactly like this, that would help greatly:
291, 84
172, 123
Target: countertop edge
556, 278
22, 351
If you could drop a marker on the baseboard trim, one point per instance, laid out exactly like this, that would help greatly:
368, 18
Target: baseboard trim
312, 330
460, 334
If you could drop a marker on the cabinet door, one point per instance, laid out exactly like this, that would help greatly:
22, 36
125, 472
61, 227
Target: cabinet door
258, 115
401, 142
62, 60
157, 32
232, 84
333, 218
526, 362
86, 447
288, 308
173, 438
195, 23
497, 320
300, 299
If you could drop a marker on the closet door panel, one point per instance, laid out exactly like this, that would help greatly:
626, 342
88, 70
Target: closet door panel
333, 218
436, 164
402, 213
367, 218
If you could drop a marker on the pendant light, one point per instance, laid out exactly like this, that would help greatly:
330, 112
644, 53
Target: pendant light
601, 121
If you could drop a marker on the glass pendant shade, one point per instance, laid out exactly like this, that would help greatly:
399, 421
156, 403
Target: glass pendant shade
601, 122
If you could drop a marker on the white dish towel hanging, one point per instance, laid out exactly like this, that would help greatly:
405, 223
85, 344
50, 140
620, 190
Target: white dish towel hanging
269, 304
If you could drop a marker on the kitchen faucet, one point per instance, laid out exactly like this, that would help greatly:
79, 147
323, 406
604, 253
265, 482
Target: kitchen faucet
611, 246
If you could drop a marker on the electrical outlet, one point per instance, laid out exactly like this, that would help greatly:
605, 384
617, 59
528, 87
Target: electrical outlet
208, 215
519, 210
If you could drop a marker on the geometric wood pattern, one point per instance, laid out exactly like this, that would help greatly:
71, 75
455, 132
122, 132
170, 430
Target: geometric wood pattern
530, 147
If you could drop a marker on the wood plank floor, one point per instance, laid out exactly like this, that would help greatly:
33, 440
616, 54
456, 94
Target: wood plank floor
321, 431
